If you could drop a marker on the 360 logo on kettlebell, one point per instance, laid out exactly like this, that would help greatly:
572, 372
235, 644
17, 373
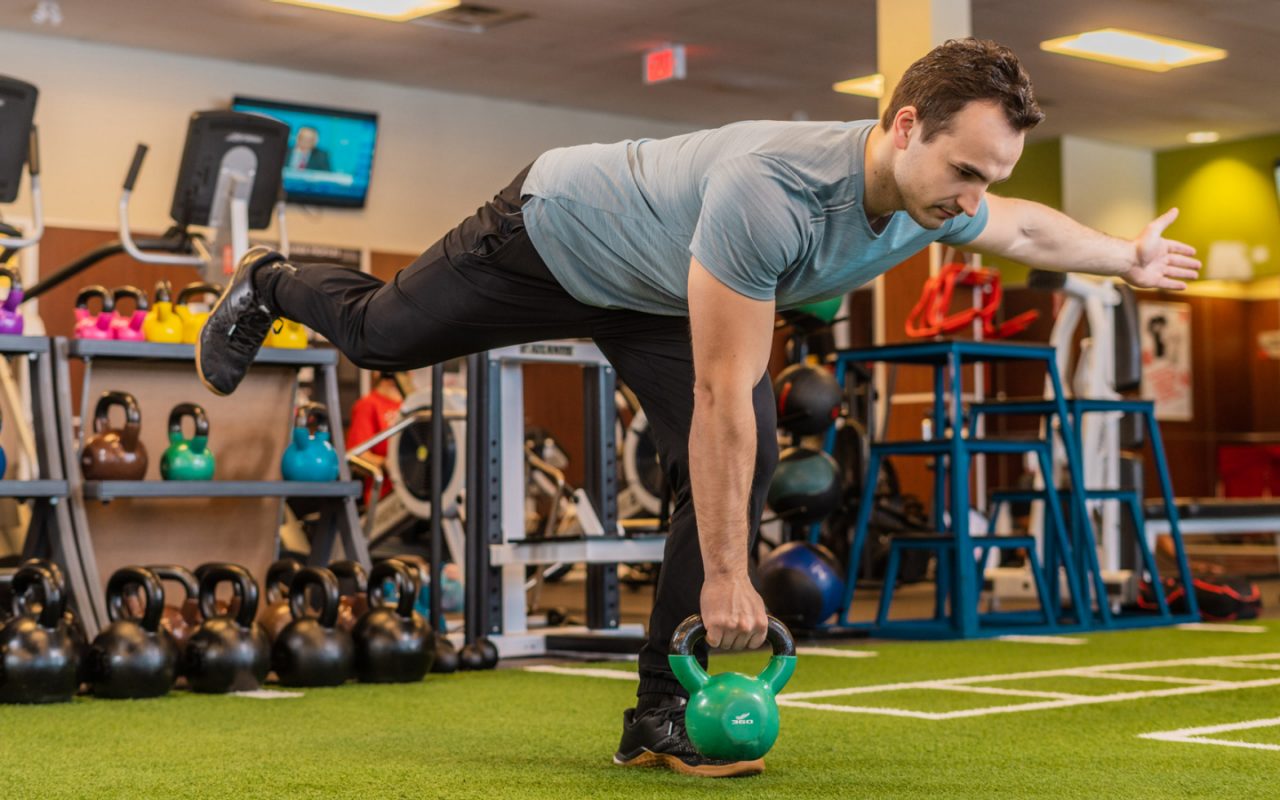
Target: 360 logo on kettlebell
743, 719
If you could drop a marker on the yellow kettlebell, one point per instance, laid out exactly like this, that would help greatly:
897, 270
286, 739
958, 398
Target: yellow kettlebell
162, 324
193, 321
287, 333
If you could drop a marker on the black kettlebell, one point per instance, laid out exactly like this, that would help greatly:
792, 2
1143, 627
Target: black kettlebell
133, 658
38, 659
446, 660
393, 645
480, 654
74, 626
227, 653
312, 651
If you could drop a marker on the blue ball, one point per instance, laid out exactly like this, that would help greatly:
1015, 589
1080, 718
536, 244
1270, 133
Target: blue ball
801, 585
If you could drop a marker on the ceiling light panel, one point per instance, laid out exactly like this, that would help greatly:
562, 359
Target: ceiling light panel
1127, 48
866, 86
390, 10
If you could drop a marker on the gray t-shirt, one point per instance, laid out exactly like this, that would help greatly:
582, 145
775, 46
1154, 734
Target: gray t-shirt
772, 209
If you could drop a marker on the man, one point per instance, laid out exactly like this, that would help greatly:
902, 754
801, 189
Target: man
674, 256
306, 154
370, 416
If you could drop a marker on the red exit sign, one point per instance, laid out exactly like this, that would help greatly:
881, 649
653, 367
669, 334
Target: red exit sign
664, 63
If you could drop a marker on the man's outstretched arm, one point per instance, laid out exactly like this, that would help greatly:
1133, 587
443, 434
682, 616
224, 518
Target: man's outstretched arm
732, 338
1038, 236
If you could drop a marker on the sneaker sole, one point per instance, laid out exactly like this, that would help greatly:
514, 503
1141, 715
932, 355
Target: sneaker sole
200, 372
736, 769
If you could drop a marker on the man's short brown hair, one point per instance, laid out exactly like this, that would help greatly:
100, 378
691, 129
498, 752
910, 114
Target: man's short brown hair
958, 72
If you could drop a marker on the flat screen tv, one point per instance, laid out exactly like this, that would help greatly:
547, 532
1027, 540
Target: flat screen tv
330, 151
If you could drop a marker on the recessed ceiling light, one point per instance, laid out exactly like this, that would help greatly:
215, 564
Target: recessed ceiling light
866, 86
390, 10
1202, 137
1133, 49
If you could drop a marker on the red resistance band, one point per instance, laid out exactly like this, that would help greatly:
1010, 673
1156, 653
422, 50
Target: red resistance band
929, 317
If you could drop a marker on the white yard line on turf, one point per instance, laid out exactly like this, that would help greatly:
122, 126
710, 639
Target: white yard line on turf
585, 672
1221, 627
1013, 637
1199, 735
835, 652
1128, 676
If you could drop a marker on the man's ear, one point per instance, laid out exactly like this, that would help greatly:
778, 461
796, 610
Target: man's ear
904, 123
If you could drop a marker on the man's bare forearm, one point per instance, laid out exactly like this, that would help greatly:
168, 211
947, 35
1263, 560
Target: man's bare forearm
722, 452
1052, 240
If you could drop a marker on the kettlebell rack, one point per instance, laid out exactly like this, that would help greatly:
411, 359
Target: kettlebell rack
50, 534
114, 523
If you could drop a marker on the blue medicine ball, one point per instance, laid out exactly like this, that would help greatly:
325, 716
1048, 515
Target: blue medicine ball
800, 584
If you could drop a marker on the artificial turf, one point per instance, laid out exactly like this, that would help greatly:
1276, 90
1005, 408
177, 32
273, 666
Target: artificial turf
515, 733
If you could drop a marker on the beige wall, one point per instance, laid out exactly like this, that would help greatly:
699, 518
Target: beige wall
1107, 186
438, 155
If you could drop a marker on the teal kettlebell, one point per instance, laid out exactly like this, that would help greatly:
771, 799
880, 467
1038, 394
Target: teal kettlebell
731, 716
310, 456
187, 459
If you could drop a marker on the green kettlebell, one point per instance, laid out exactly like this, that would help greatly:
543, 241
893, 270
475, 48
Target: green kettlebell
731, 716
187, 459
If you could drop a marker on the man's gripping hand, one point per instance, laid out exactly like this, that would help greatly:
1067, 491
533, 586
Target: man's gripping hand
733, 613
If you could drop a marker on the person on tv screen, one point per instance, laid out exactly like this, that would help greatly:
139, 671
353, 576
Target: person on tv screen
306, 154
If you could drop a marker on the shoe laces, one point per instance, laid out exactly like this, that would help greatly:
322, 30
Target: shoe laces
246, 336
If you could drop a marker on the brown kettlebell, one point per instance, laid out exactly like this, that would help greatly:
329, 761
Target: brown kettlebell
115, 454
354, 601
277, 614
178, 616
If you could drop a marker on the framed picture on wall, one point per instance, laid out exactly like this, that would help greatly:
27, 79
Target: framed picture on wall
1166, 358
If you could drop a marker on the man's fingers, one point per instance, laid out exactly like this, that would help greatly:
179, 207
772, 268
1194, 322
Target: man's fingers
1181, 248
1171, 284
1183, 261
1187, 274
1163, 221
714, 636
758, 640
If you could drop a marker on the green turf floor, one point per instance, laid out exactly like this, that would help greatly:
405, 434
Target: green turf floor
519, 734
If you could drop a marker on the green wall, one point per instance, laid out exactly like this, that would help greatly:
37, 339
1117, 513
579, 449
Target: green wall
1038, 176
1224, 192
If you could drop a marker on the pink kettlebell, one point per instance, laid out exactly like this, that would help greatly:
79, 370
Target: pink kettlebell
128, 327
10, 319
88, 324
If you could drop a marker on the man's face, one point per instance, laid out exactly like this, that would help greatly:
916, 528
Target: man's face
306, 139
949, 174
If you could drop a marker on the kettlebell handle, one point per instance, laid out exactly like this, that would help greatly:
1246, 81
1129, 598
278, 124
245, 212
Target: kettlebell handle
99, 291
242, 584
132, 416
194, 289
280, 574
15, 288
692, 631
52, 602
313, 413
693, 677
152, 592
141, 303
163, 292
180, 575
329, 597
353, 571
406, 586
183, 410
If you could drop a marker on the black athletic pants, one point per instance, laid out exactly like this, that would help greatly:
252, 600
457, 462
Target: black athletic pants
484, 286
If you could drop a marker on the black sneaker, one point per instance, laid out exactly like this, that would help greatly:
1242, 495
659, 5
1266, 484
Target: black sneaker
657, 738
236, 327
